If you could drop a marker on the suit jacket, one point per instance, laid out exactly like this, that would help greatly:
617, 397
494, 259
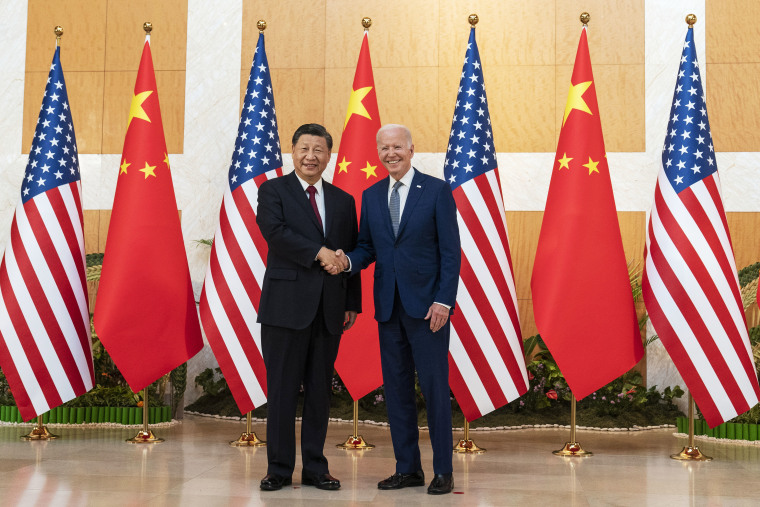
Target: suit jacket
294, 282
423, 260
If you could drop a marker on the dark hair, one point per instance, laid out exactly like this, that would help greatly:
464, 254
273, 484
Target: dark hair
313, 129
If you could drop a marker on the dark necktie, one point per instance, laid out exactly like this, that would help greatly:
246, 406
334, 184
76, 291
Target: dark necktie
311, 190
394, 205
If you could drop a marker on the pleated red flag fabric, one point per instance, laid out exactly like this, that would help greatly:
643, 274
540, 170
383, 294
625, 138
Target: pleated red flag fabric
582, 298
145, 310
358, 167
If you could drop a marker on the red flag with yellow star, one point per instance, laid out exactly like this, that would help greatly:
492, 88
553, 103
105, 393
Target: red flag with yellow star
145, 312
582, 298
358, 167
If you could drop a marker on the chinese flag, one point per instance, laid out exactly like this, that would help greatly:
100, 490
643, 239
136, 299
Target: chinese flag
358, 362
582, 297
145, 310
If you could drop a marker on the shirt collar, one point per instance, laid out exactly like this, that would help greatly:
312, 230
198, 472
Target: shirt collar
305, 184
406, 179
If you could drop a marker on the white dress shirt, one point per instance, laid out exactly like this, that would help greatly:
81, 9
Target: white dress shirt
319, 197
403, 190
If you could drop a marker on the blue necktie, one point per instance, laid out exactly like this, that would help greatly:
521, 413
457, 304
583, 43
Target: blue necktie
394, 205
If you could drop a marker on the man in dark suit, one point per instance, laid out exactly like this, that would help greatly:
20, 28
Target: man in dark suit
303, 309
409, 228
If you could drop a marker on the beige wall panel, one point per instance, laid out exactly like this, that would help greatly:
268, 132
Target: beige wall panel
745, 237
295, 33
734, 105
615, 33
84, 34
404, 33
125, 36
633, 232
119, 87
510, 32
620, 94
733, 35
299, 97
85, 91
91, 230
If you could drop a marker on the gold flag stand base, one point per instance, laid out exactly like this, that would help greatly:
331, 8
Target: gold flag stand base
40, 432
145, 436
249, 438
355, 441
691, 452
573, 448
467, 446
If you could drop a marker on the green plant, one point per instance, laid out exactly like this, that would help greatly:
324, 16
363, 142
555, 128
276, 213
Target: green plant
211, 381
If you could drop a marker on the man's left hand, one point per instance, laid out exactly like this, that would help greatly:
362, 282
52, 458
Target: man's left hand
349, 320
438, 315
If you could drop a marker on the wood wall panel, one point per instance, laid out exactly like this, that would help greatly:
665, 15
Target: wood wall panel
733, 35
734, 105
120, 87
84, 34
745, 237
295, 33
620, 95
125, 36
299, 97
615, 31
85, 91
403, 34
510, 32
101, 49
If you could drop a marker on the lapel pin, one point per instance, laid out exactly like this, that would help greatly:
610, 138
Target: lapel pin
419, 186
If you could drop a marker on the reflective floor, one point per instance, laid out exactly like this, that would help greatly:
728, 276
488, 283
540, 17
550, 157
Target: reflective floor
195, 466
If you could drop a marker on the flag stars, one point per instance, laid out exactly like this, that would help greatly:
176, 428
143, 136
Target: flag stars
695, 168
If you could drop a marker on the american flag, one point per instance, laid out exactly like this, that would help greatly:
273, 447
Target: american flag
45, 350
690, 285
486, 363
232, 289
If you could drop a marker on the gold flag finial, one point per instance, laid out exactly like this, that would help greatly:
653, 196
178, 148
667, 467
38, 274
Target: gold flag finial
366, 23
261, 25
585, 18
148, 27
690, 20
58, 32
473, 19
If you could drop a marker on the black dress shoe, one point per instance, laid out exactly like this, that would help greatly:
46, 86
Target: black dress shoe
273, 482
321, 481
441, 484
398, 481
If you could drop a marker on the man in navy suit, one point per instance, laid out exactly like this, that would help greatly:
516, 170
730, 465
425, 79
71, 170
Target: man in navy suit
408, 227
303, 310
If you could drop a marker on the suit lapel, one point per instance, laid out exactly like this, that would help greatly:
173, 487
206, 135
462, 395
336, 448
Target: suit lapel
294, 185
382, 196
415, 191
330, 198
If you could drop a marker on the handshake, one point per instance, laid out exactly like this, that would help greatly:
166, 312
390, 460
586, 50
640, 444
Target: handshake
333, 262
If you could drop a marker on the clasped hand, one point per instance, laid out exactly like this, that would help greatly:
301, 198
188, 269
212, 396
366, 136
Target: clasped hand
333, 262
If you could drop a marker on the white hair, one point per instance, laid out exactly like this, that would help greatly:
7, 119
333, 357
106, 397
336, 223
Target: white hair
393, 126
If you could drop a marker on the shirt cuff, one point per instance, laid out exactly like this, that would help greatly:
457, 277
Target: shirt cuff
447, 306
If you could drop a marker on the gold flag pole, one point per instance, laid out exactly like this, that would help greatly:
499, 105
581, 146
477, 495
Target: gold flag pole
248, 438
466, 445
691, 452
355, 441
145, 436
572, 448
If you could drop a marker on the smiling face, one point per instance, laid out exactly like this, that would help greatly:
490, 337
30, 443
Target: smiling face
395, 149
310, 157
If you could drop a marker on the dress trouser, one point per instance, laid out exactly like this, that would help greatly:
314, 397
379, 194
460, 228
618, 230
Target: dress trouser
407, 343
292, 358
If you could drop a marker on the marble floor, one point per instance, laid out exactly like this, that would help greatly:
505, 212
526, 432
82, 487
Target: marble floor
196, 467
